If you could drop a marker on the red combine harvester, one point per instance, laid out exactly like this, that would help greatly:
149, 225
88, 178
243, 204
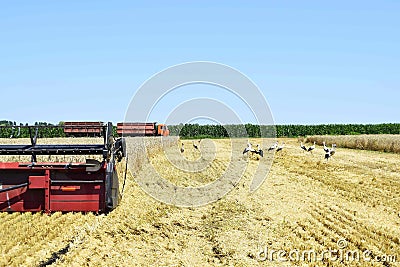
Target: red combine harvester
83, 128
142, 129
90, 186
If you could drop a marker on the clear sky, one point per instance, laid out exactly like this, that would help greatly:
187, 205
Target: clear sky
315, 61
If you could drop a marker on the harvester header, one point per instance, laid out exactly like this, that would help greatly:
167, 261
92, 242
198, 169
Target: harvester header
61, 186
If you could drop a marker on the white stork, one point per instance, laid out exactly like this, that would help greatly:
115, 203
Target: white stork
303, 147
280, 147
195, 146
325, 148
311, 148
274, 146
248, 148
330, 152
333, 149
259, 151
182, 148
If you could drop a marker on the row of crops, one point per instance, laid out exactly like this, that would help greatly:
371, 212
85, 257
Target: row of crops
251, 130
222, 131
43, 131
22, 132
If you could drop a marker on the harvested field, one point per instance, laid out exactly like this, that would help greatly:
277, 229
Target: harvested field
304, 204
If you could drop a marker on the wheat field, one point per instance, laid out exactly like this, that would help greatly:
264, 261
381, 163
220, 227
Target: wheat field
377, 142
305, 203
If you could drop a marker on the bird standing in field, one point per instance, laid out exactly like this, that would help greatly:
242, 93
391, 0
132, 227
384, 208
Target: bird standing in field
330, 152
247, 149
303, 147
250, 149
259, 151
182, 148
333, 149
281, 147
311, 148
325, 148
274, 146
195, 146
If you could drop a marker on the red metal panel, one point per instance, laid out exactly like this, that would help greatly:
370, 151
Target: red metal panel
22, 199
86, 197
22, 206
93, 206
37, 182
72, 189
47, 192
9, 165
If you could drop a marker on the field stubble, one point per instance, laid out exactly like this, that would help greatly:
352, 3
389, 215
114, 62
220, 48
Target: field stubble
305, 203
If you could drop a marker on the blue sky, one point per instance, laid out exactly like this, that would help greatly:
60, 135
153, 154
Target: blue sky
315, 62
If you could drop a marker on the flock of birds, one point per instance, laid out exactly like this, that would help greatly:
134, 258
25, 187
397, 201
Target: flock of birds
259, 151
329, 152
195, 146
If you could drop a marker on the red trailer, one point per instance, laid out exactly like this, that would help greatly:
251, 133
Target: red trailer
62, 186
142, 129
83, 128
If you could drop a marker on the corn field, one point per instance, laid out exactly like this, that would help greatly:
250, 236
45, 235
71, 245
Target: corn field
256, 131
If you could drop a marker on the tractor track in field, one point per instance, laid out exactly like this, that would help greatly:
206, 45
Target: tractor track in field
36, 236
55, 256
83, 231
